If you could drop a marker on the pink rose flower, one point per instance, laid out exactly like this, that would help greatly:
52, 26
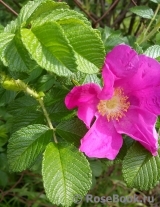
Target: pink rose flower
128, 103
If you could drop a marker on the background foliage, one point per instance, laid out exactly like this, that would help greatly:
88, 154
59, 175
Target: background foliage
118, 21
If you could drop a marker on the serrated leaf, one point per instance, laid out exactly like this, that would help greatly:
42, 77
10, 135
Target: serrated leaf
12, 26
58, 15
140, 169
5, 38
34, 74
49, 48
24, 119
72, 130
59, 112
143, 11
66, 173
56, 94
113, 40
15, 55
92, 78
6, 96
27, 115
45, 83
34, 9
153, 51
87, 44
26, 144
28, 103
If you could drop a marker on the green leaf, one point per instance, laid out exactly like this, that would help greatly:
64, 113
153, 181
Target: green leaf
113, 40
92, 78
3, 135
143, 11
56, 94
59, 14
34, 74
153, 51
140, 169
15, 55
96, 167
26, 144
127, 143
3, 162
155, 1
3, 179
12, 26
49, 48
31, 11
45, 82
87, 44
24, 119
28, 103
6, 96
59, 112
72, 130
27, 115
5, 38
34, 9
66, 173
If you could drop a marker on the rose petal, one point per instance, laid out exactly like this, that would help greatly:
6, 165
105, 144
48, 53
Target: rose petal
102, 140
148, 76
122, 61
148, 99
85, 98
140, 125
108, 79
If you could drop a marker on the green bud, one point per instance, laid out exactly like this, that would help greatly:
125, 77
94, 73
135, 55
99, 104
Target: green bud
11, 84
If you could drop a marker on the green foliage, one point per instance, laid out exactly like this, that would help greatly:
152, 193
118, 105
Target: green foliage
140, 169
61, 52
70, 177
26, 144
143, 11
153, 51
72, 130
48, 49
47, 35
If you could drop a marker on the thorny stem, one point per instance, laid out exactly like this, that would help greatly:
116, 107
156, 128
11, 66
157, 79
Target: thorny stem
19, 85
40, 100
9, 8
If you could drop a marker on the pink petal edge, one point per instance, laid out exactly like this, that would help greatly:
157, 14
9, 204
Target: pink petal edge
84, 97
102, 140
123, 61
140, 125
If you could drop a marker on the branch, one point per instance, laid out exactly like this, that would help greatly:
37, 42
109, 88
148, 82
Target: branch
6, 192
9, 8
110, 8
80, 6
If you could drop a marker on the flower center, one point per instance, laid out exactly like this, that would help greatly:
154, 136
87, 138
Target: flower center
115, 107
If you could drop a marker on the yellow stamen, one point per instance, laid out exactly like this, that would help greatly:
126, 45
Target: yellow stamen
115, 107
